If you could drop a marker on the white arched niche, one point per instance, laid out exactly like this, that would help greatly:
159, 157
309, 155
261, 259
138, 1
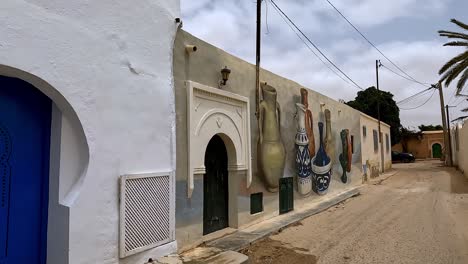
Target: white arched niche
69, 160
212, 111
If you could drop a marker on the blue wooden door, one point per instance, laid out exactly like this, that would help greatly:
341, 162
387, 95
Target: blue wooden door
25, 115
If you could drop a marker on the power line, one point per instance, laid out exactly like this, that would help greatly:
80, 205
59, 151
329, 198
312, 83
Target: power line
315, 46
421, 104
461, 101
308, 46
372, 44
404, 77
409, 98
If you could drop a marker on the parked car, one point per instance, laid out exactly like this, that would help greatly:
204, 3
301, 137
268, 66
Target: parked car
402, 157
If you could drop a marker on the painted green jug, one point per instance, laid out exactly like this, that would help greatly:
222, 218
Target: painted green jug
270, 149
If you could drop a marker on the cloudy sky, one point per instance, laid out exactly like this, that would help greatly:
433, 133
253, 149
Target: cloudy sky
405, 30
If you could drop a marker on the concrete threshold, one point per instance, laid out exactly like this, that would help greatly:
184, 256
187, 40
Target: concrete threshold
224, 250
243, 238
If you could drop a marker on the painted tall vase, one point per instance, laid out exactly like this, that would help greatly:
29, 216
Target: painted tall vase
329, 140
321, 167
270, 149
308, 121
303, 162
350, 151
344, 161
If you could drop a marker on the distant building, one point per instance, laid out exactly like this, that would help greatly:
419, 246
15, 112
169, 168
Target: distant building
429, 145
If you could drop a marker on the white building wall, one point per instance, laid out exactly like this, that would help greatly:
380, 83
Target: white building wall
461, 153
370, 156
107, 65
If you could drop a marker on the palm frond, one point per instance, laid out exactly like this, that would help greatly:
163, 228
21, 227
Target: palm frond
450, 34
461, 83
459, 23
450, 63
457, 43
455, 71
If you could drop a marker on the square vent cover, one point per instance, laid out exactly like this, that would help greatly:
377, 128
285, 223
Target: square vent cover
146, 212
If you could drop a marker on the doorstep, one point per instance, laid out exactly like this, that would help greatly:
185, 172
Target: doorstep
243, 238
224, 250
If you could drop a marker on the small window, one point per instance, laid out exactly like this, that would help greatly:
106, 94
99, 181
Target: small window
352, 144
364, 131
376, 141
256, 203
387, 143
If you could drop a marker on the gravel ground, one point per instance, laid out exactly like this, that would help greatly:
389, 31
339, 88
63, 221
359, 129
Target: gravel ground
418, 215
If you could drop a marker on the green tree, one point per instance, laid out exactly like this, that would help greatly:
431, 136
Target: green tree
458, 64
366, 102
430, 127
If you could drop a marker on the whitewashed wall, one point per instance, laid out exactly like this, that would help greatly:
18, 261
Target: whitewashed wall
370, 157
107, 65
460, 153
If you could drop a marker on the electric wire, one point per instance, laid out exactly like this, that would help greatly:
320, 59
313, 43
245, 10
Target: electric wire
404, 77
310, 48
372, 44
421, 104
313, 44
410, 98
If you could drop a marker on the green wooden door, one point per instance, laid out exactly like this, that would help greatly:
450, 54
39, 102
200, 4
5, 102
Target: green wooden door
436, 150
215, 187
286, 195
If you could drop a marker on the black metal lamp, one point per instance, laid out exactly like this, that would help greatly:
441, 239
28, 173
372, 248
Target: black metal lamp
225, 74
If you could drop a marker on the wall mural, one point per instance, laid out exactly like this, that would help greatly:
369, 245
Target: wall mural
308, 120
303, 163
271, 152
329, 139
344, 156
321, 167
350, 151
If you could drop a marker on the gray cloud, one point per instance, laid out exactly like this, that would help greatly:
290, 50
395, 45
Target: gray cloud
230, 25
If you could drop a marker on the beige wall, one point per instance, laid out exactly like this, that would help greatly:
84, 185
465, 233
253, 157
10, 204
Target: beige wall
371, 156
421, 148
459, 134
203, 66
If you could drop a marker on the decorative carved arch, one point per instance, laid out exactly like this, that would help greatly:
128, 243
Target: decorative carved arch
211, 111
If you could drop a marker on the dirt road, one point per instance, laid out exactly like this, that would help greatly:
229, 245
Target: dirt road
418, 215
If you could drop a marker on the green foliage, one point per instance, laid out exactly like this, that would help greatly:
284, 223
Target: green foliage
366, 102
430, 127
458, 64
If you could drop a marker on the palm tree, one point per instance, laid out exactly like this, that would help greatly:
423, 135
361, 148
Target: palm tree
458, 64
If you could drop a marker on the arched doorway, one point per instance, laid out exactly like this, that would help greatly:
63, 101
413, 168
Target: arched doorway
215, 187
436, 150
25, 121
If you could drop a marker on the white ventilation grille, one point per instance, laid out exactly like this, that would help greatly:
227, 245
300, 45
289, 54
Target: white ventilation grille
146, 212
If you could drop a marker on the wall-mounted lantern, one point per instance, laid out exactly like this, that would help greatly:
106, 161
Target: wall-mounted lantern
225, 75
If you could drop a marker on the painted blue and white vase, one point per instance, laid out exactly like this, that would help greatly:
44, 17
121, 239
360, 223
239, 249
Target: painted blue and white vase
321, 167
303, 159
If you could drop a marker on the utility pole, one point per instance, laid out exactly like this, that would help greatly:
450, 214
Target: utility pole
377, 65
257, 57
444, 125
448, 132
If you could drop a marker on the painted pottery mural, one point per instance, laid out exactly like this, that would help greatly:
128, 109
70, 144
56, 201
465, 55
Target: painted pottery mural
344, 161
350, 151
329, 140
321, 167
303, 162
271, 152
308, 121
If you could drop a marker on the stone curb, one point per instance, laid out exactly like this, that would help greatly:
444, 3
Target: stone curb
243, 238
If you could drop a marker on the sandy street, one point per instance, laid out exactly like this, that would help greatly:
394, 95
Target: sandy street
418, 215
